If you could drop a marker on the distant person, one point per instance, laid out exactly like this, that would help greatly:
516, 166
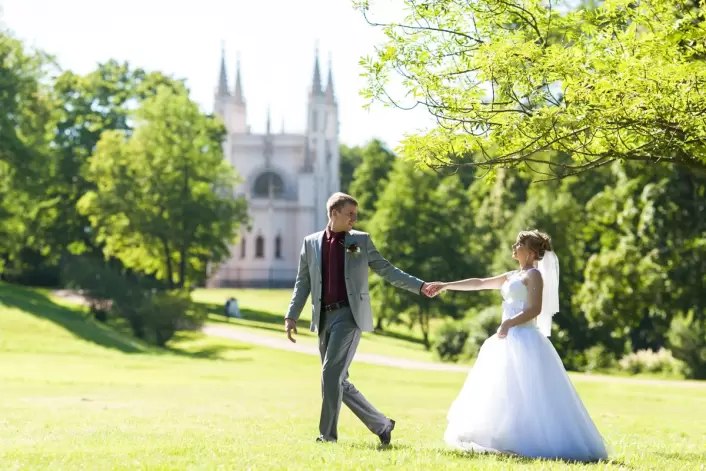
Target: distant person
232, 309
333, 268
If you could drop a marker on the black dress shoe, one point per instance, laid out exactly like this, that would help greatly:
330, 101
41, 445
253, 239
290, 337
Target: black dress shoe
321, 438
386, 436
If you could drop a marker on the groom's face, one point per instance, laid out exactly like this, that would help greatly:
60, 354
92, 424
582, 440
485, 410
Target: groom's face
344, 219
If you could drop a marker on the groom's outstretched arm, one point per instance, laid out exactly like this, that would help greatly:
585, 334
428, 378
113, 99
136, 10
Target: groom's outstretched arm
389, 272
302, 287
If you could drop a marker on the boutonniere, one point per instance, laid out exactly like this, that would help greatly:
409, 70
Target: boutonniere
353, 248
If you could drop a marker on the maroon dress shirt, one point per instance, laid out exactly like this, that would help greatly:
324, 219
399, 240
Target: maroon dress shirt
333, 267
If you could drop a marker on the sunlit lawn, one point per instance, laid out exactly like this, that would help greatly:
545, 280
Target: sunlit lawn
78, 396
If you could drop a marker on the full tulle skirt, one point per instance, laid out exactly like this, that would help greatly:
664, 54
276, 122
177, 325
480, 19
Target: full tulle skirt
518, 399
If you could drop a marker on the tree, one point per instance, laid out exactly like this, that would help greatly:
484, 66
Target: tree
26, 128
351, 158
650, 265
422, 224
509, 80
163, 202
99, 101
370, 177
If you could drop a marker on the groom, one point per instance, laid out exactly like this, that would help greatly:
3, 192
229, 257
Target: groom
333, 267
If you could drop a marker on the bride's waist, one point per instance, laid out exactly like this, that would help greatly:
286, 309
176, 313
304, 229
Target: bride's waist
510, 311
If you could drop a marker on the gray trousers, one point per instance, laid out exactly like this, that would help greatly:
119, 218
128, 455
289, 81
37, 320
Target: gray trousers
339, 336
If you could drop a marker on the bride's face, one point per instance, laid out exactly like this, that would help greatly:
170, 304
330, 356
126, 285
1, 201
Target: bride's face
520, 252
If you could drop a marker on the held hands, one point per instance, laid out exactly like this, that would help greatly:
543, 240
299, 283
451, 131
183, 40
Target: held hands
290, 325
433, 289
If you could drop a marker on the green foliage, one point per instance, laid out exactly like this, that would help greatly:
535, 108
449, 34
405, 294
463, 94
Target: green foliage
687, 340
410, 228
87, 106
113, 293
351, 158
481, 326
26, 129
163, 202
598, 359
164, 313
450, 340
370, 178
509, 80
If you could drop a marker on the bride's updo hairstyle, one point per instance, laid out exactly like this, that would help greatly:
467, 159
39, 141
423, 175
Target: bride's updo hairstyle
538, 242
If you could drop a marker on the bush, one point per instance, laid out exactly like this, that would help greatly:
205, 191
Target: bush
153, 314
164, 313
687, 339
648, 361
450, 340
482, 325
102, 284
598, 358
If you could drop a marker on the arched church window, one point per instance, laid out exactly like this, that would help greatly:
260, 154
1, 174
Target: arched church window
259, 247
242, 248
278, 247
268, 183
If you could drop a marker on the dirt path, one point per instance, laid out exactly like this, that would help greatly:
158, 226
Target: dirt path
246, 336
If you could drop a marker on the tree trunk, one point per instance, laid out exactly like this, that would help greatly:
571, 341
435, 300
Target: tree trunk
424, 324
168, 264
185, 241
378, 325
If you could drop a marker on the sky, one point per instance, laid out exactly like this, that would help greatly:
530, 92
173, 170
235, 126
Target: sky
276, 41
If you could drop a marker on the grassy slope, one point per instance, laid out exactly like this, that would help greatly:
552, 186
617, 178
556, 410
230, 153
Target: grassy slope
78, 396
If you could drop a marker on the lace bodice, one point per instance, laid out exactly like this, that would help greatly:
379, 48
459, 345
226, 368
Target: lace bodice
515, 294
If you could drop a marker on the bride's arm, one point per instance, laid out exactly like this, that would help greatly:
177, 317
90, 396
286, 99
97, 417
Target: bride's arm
476, 284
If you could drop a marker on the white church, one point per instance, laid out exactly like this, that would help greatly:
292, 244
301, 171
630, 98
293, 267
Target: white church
287, 179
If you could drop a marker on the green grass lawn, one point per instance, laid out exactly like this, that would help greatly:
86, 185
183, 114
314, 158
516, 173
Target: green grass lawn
76, 395
263, 313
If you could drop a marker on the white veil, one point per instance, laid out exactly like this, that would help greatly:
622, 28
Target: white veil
549, 268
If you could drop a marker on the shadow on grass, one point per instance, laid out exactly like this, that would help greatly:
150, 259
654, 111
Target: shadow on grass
82, 326
73, 320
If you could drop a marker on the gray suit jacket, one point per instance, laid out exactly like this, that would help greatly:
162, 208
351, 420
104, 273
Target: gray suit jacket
356, 274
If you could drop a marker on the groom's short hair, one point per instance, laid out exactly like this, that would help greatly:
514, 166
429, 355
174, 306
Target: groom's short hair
338, 200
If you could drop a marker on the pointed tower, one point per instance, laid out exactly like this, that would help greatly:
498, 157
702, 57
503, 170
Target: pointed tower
317, 155
221, 95
333, 156
238, 120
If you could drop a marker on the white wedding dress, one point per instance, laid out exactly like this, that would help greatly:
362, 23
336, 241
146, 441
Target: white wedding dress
518, 398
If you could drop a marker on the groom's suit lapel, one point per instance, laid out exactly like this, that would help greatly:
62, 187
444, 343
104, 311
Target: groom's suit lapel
347, 240
319, 249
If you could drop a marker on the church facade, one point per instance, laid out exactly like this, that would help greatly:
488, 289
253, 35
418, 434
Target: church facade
286, 179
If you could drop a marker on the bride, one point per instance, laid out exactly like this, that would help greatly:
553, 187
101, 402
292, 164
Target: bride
518, 398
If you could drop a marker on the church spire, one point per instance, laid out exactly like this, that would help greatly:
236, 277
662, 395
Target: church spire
316, 83
330, 97
268, 121
238, 85
223, 78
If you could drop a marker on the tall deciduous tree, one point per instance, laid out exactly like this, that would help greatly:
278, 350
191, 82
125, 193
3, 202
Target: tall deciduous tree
508, 80
422, 225
164, 202
26, 125
90, 104
370, 178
